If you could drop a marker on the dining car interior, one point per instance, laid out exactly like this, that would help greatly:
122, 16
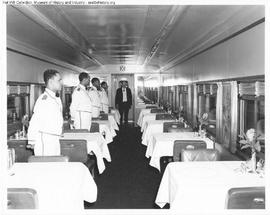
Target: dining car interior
154, 107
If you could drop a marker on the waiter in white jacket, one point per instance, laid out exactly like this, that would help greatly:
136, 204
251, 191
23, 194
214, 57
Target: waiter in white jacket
81, 105
45, 127
95, 97
104, 97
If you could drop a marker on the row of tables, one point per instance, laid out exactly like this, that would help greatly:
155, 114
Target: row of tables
190, 185
64, 186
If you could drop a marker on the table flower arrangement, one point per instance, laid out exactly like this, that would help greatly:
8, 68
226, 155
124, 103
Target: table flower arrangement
25, 124
250, 140
203, 122
168, 107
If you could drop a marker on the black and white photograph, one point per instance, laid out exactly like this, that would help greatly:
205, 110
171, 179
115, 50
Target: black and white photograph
134, 107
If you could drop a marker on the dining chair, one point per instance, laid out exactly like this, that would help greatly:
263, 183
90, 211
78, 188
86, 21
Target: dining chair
76, 131
76, 151
151, 107
173, 126
94, 127
175, 130
246, 198
157, 110
22, 198
66, 125
60, 158
102, 116
22, 153
200, 155
179, 145
164, 116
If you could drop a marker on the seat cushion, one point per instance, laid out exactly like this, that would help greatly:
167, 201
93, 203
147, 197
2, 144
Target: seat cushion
157, 110
164, 116
76, 131
22, 153
179, 145
32, 159
22, 198
199, 155
172, 126
94, 127
246, 198
76, 150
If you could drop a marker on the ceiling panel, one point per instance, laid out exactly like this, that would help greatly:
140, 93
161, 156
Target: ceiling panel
197, 21
117, 34
29, 32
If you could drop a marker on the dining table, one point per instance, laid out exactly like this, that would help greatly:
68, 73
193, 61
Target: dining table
116, 115
203, 185
106, 129
95, 144
141, 115
147, 117
152, 127
60, 186
161, 144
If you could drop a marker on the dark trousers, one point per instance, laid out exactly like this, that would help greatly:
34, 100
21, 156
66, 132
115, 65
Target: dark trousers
123, 110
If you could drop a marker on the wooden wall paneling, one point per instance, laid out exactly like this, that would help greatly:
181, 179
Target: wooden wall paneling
234, 116
226, 115
219, 124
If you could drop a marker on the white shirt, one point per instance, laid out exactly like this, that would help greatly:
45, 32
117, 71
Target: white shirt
81, 101
95, 98
96, 102
103, 97
124, 91
47, 116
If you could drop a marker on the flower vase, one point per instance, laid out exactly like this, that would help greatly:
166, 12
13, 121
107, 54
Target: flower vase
200, 130
253, 162
23, 131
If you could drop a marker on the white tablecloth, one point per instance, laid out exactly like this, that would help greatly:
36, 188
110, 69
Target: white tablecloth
202, 185
113, 122
147, 117
59, 186
116, 116
162, 145
95, 143
142, 113
152, 127
106, 128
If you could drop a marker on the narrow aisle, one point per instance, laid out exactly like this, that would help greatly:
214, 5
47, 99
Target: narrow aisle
128, 181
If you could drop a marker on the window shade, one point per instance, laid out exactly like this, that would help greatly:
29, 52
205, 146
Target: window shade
247, 88
259, 88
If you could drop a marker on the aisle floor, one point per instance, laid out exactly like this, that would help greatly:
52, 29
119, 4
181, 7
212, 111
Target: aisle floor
128, 181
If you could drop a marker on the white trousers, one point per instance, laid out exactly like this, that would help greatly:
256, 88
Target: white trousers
95, 112
47, 145
105, 108
82, 120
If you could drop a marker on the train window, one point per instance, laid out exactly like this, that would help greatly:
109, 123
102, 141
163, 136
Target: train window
17, 105
211, 110
201, 104
251, 115
251, 112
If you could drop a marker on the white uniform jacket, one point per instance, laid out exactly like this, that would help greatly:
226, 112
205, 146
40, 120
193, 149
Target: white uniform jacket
45, 127
96, 103
104, 100
81, 108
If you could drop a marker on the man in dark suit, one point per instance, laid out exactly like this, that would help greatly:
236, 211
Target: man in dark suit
123, 101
